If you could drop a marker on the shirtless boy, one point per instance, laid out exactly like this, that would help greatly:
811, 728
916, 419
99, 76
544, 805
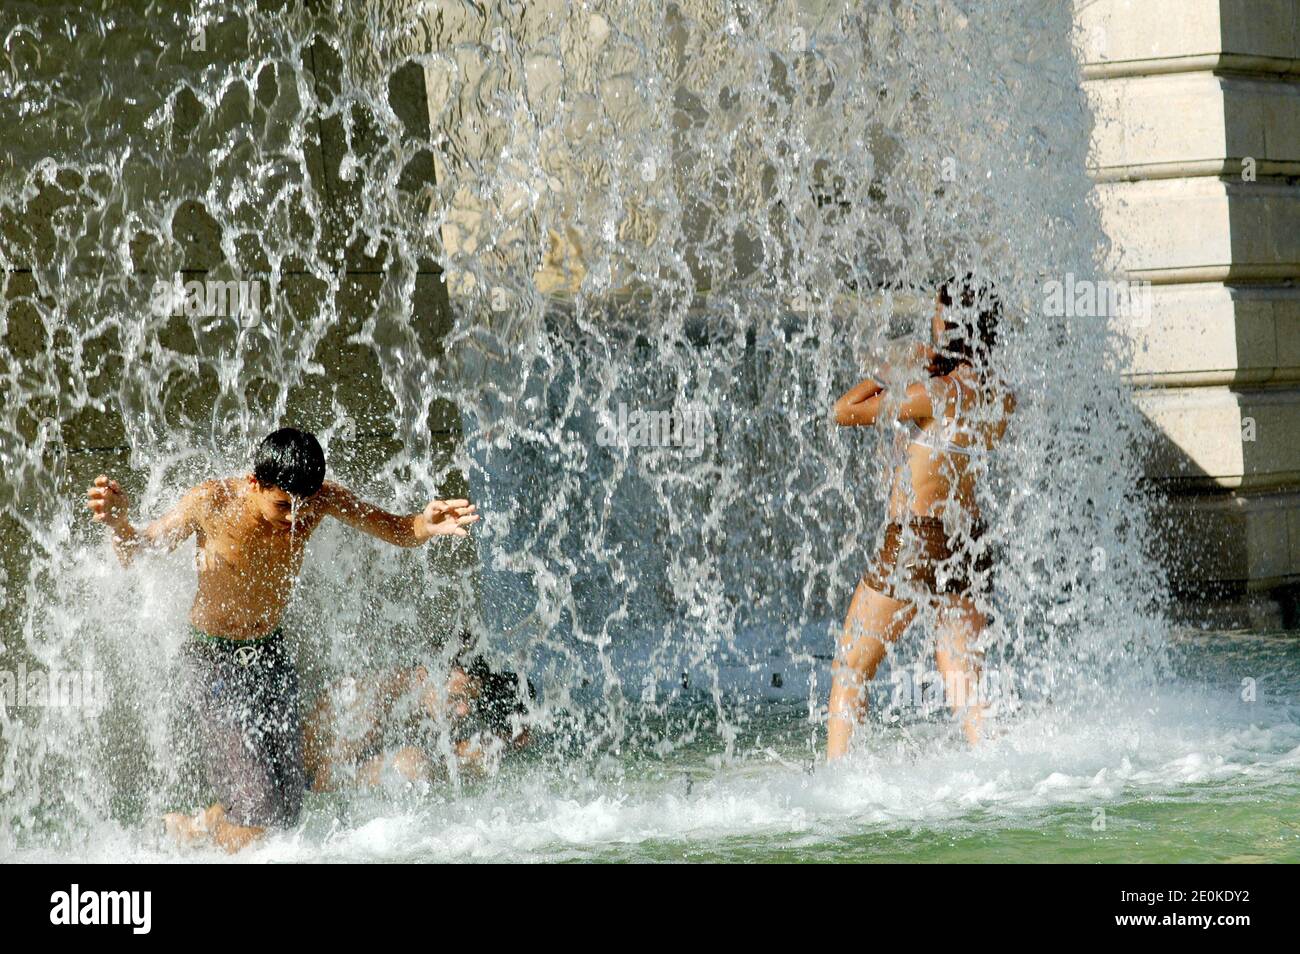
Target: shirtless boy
240, 684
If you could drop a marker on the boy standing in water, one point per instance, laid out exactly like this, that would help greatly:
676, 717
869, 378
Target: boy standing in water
240, 682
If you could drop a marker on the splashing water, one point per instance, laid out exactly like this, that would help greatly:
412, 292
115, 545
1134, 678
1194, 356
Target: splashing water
603, 268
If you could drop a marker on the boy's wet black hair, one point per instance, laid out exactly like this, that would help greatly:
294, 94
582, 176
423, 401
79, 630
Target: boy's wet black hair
975, 319
498, 699
291, 460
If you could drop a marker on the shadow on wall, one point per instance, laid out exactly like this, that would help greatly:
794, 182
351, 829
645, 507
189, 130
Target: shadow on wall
1229, 537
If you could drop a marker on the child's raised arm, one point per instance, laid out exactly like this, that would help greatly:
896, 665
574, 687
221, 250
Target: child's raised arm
439, 518
855, 406
920, 402
109, 505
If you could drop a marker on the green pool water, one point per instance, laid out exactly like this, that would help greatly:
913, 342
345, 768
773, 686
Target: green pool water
1187, 771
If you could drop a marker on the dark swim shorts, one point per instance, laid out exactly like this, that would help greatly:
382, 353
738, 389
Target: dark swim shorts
242, 697
921, 558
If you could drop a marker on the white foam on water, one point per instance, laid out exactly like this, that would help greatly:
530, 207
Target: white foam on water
1182, 743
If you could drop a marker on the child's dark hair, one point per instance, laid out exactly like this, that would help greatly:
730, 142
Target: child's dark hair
499, 692
975, 319
498, 698
291, 460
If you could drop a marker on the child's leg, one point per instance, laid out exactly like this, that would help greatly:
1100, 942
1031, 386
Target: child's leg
319, 744
246, 716
407, 762
243, 784
254, 741
227, 834
211, 823
959, 627
873, 620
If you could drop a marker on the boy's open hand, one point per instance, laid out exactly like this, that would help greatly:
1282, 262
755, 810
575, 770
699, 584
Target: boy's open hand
446, 518
107, 501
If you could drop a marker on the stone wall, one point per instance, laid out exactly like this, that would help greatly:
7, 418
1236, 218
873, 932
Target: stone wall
1196, 157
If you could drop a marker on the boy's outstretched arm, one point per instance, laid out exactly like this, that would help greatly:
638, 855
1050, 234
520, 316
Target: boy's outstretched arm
109, 505
439, 518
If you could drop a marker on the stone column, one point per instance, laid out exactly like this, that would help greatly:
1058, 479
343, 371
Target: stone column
1196, 153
